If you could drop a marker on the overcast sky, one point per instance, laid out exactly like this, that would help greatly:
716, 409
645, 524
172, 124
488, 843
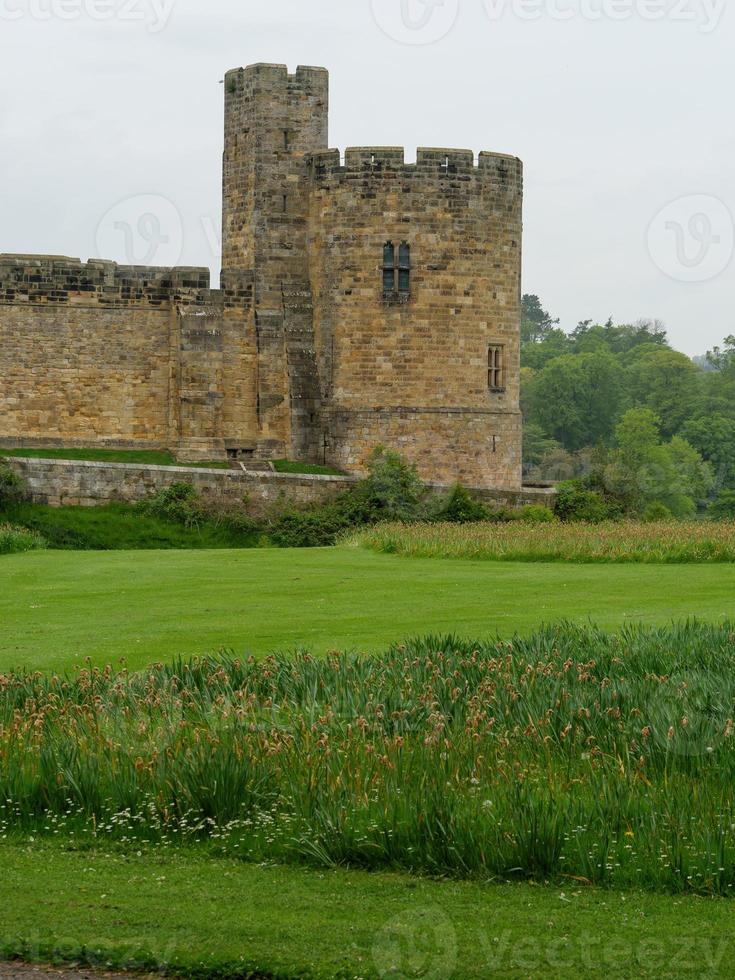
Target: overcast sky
111, 129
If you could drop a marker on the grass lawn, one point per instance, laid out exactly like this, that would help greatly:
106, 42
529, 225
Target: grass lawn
288, 466
208, 917
145, 457
56, 608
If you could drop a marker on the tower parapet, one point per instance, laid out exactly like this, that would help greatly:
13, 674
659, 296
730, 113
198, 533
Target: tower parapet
441, 166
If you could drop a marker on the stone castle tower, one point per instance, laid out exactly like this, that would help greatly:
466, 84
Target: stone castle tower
362, 302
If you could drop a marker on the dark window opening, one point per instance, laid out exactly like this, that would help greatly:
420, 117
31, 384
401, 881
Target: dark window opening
396, 271
496, 367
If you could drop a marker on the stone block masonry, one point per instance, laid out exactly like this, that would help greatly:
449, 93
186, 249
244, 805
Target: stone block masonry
73, 483
362, 302
99, 354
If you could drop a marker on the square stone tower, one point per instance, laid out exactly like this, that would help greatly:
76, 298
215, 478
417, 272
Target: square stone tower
273, 123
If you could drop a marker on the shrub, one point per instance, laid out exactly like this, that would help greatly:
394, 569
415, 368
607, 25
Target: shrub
15, 540
12, 486
723, 508
392, 490
656, 512
575, 502
309, 529
179, 502
460, 507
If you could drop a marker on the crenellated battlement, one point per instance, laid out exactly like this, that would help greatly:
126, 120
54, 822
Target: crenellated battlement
59, 279
436, 163
269, 76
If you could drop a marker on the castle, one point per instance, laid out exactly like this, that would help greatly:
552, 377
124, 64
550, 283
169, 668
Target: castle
362, 302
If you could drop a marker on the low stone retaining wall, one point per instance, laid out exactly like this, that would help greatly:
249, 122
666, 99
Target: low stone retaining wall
60, 482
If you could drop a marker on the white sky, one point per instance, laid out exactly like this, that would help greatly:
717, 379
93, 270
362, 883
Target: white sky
617, 107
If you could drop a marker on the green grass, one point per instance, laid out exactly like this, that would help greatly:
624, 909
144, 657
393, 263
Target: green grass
118, 526
288, 466
209, 918
572, 754
56, 608
145, 457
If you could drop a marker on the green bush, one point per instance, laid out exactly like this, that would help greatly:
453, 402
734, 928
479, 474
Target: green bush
723, 508
15, 540
392, 490
575, 502
179, 502
317, 528
460, 507
656, 512
12, 486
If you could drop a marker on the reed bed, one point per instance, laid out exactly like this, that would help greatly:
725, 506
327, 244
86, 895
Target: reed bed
572, 754
670, 542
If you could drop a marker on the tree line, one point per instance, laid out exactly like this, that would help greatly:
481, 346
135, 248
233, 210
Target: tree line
615, 409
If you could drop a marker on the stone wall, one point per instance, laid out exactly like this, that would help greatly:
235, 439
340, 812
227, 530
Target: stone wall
412, 371
75, 483
101, 354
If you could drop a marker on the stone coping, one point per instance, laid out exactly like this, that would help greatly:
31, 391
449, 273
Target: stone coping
267, 476
263, 476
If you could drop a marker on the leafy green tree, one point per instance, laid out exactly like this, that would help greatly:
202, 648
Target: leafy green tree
577, 399
536, 322
714, 437
620, 339
537, 355
723, 508
536, 446
668, 383
722, 359
393, 487
643, 470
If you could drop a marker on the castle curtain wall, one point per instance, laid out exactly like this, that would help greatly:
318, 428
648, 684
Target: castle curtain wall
101, 354
84, 375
